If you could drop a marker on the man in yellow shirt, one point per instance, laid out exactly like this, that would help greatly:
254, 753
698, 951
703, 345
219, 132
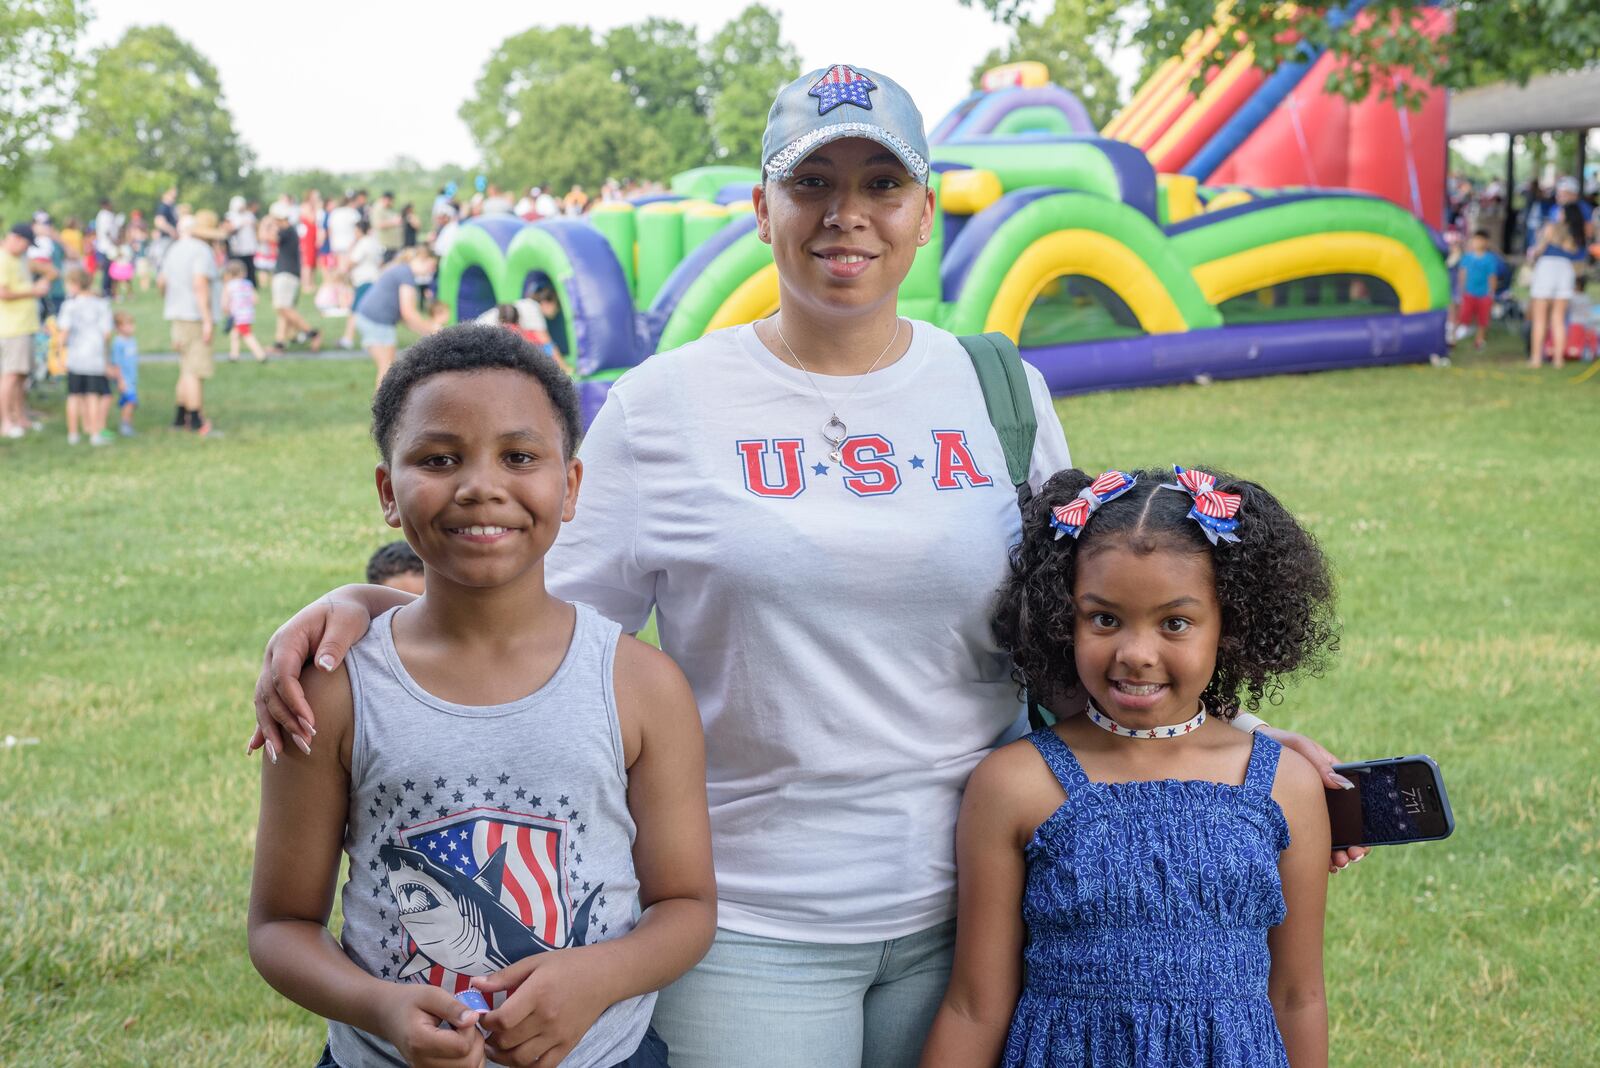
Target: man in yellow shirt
19, 321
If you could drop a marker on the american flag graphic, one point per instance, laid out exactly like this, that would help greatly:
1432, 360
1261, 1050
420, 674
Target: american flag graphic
842, 84
534, 886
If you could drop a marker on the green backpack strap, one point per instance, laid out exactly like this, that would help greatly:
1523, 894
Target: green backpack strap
1010, 404
1005, 394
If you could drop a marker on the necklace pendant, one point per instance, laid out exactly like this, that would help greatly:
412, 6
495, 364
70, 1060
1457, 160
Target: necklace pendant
834, 432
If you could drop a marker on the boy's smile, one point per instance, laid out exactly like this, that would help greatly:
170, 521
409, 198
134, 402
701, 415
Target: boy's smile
477, 479
1145, 631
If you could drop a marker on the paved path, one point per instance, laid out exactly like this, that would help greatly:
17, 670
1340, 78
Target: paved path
333, 353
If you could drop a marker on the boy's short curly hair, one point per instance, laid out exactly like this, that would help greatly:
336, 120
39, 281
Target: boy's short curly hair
395, 558
470, 347
1273, 585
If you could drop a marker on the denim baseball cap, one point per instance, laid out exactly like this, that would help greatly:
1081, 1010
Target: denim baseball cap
842, 101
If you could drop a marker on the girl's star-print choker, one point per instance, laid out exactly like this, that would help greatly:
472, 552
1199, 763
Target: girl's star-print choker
1171, 730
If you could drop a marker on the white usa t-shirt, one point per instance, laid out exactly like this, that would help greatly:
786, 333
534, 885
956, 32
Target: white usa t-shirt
832, 618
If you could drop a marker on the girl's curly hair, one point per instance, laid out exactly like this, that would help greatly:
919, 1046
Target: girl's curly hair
1273, 585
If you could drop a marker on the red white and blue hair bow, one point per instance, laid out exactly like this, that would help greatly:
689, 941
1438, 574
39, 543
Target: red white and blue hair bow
1212, 509
1069, 519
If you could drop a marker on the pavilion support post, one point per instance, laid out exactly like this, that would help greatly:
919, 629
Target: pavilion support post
1579, 160
1508, 225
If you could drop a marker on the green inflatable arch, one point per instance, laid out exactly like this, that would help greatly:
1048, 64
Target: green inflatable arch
1076, 211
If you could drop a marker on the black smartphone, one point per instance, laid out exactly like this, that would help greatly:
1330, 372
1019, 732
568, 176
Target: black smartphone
1396, 799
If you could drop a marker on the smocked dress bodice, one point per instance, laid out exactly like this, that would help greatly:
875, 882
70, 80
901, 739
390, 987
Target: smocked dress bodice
1147, 907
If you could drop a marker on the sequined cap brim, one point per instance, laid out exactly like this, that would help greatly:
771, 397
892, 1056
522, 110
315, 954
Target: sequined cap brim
783, 161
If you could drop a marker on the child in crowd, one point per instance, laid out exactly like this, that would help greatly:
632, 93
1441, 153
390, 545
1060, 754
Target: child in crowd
1477, 274
86, 324
125, 357
397, 566
1144, 884
366, 262
519, 787
120, 271
239, 298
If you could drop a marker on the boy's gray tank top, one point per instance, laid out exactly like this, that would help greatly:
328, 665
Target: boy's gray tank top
480, 834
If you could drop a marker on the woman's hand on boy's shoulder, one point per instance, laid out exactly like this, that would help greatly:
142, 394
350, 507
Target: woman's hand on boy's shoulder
328, 694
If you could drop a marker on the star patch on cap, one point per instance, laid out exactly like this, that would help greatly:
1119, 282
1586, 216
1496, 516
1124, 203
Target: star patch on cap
842, 85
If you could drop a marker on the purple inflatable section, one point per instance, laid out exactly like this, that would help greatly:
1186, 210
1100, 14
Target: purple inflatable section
1240, 351
591, 395
986, 113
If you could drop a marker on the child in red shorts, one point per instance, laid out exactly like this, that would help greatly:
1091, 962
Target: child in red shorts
239, 298
1477, 274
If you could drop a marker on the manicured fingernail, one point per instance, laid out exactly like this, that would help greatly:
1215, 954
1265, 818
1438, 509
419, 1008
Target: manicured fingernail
271, 752
1344, 783
1358, 858
305, 747
325, 662
307, 728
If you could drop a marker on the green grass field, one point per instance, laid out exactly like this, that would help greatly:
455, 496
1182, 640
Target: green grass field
155, 334
140, 582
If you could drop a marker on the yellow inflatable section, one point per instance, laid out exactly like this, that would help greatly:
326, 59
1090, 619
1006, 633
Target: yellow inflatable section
1312, 256
1094, 255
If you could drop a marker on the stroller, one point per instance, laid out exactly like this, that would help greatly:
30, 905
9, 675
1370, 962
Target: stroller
1507, 308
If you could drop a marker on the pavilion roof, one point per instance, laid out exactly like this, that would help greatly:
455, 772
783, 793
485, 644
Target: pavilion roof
1549, 102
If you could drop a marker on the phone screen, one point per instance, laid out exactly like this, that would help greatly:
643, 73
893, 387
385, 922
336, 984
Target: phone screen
1392, 802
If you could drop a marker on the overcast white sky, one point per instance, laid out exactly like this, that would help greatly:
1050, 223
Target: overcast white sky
348, 86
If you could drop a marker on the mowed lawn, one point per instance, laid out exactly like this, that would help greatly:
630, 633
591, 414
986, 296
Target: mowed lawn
1459, 506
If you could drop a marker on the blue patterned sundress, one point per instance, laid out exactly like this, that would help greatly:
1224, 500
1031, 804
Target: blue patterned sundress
1147, 905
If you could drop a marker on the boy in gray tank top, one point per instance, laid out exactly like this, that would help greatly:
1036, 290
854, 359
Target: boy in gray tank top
519, 788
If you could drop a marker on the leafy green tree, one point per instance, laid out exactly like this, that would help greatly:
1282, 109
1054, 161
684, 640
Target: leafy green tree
37, 69
1073, 39
747, 61
579, 127
548, 107
152, 115
658, 62
506, 105
1493, 40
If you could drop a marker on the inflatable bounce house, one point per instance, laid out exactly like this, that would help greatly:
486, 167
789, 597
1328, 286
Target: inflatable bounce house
1105, 257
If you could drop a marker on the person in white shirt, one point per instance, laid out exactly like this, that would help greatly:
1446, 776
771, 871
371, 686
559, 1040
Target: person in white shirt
545, 205
107, 236
342, 220
366, 262
240, 222
816, 508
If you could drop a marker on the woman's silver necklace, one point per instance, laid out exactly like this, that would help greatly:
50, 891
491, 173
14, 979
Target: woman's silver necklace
834, 431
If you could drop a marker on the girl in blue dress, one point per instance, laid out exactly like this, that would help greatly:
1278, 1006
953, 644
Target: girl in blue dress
1144, 885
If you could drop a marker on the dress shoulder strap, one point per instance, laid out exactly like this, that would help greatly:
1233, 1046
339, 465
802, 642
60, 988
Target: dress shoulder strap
1058, 756
1263, 767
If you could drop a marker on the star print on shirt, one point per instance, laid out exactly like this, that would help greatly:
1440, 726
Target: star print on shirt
820, 469
917, 462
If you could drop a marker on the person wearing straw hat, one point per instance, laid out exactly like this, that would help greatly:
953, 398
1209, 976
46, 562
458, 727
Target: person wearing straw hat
817, 509
192, 294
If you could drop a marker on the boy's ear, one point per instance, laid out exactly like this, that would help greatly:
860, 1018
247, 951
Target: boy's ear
391, 511
569, 502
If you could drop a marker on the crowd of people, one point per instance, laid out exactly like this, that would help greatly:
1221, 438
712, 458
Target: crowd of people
368, 260
1553, 230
